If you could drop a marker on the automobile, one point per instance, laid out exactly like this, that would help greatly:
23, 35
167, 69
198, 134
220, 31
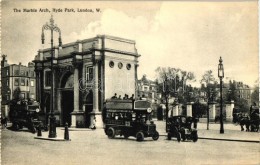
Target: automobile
25, 113
129, 118
180, 128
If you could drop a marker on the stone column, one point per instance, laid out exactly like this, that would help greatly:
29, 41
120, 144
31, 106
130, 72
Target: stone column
77, 116
96, 119
59, 104
189, 109
212, 111
229, 110
37, 85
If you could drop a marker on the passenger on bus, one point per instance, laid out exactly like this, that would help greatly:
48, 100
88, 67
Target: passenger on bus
114, 97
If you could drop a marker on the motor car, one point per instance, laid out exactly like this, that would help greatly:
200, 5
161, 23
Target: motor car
180, 127
24, 113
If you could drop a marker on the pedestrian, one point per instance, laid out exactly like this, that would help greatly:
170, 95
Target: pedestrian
93, 127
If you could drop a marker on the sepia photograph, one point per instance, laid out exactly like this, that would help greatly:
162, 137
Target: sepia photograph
129, 82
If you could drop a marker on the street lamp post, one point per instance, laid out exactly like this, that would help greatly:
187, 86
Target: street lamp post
52, 27
221, 76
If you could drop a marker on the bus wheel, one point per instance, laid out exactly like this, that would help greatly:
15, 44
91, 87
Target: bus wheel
111, 133
140, 136
155, 136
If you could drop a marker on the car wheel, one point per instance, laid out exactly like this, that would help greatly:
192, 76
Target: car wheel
33, 130
20, 126
16, 126
178, 137
169, 136
140, 136
111, 133
155, 136
183, 136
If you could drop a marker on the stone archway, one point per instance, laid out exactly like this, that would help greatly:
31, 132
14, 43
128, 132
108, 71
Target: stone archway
66, 98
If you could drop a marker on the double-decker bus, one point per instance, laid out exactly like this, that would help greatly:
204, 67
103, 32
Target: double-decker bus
129, 118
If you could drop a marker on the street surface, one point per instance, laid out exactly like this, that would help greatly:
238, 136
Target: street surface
88, 147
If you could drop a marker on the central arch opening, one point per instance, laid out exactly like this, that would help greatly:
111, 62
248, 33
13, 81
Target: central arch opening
67, 98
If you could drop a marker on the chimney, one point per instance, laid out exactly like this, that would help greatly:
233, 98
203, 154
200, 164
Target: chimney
4, 61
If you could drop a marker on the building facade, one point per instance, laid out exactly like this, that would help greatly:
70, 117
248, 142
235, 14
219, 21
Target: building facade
148, 89
16, 78
86, 73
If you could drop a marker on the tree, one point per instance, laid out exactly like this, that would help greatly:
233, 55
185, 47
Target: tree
171, 82
210, 89
17, 93
255, 96
210, 85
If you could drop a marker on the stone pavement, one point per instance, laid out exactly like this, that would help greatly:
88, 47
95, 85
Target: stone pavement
232, 132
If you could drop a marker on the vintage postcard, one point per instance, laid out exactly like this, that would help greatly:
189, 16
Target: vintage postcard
130, 82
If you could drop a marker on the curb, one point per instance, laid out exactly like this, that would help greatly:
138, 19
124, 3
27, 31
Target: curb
235, 140
51, 139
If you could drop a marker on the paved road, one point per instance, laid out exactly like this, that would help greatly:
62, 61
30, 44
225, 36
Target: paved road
89, 147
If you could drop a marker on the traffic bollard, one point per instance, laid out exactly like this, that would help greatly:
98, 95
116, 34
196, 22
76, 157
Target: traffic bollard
66, 132
39, 131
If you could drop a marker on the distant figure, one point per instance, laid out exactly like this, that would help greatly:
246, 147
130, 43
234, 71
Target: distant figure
119, 97
132, 97
93, 127
125, 97
114, 97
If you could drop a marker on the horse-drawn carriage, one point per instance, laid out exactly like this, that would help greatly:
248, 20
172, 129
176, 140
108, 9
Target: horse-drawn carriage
251, 120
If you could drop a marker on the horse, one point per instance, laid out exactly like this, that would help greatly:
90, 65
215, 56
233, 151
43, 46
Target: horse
254, 121
244, 120
4, 122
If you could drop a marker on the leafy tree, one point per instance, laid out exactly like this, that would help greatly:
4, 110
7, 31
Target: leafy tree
209, 85
17, 93
255, 96
171, 82
199, 109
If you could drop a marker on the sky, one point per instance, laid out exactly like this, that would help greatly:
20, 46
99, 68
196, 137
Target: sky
190, 35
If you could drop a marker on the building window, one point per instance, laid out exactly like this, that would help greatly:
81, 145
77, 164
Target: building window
89, 73
7, 82
7, 72
48, 78
27, 82
32, 83
16, 72
111, 64
22, 73
22, 81
145, 88
22, 96
128, 66
16, 81
120, 65
7, 97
